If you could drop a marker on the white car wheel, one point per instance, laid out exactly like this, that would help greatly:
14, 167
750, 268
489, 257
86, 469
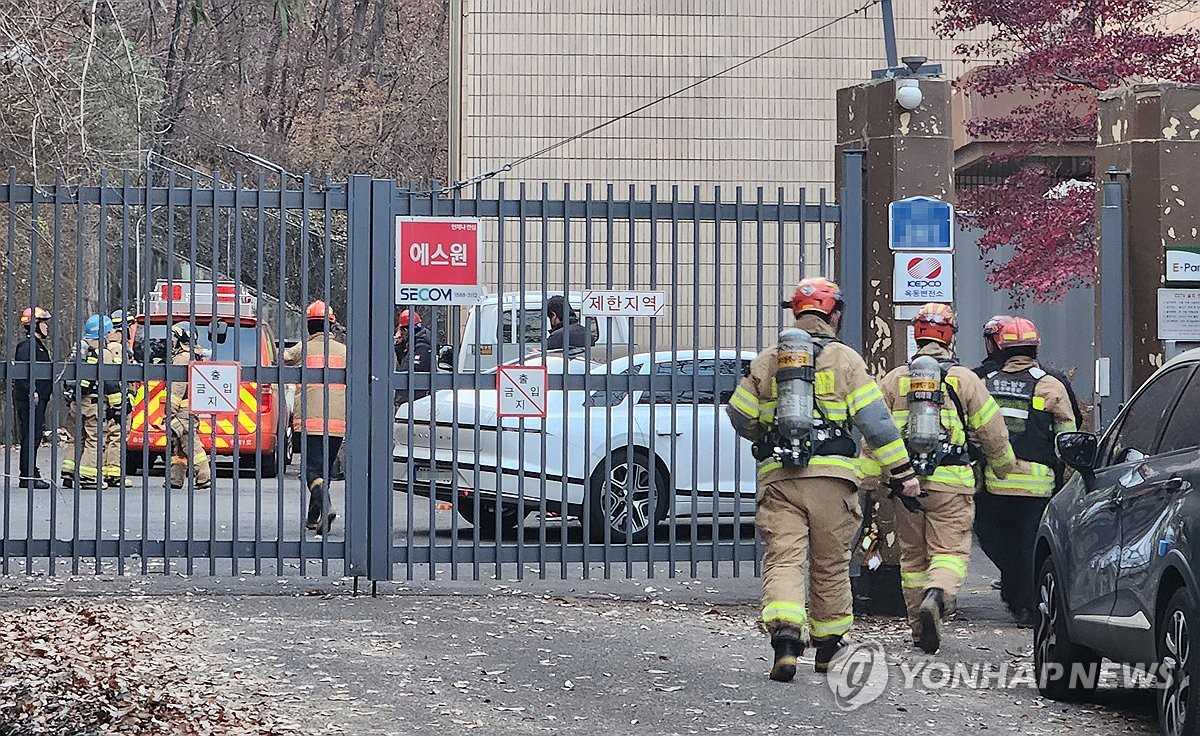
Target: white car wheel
623, 502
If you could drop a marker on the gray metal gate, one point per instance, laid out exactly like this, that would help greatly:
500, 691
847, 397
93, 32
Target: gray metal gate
637, 425
635, 463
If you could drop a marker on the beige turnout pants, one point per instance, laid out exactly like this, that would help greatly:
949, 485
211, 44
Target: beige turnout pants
935, 547
810, 520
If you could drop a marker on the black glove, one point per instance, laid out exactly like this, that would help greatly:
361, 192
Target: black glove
912, 504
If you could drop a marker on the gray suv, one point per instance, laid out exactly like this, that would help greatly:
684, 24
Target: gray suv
1115, 558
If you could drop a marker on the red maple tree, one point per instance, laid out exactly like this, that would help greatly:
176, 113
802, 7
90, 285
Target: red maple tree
1058, 54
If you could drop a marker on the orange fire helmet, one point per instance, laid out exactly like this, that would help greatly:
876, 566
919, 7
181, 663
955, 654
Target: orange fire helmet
817, 294
935, 321
36, 313
320, 310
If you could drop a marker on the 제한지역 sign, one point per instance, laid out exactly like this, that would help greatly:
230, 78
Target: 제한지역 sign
623, 303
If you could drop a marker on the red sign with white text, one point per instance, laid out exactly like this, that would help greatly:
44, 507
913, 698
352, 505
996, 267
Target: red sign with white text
438, 260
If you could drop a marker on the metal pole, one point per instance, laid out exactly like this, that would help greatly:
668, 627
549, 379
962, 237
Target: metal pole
853, 251
889, 34
1112, 365
454, 168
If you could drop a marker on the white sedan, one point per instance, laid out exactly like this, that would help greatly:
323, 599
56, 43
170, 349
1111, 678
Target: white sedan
620, 461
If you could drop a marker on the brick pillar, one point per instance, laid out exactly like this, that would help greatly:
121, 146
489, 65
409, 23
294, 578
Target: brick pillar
1152, 132
906, 153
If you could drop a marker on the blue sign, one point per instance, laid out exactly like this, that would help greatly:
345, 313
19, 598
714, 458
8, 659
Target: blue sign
921, 223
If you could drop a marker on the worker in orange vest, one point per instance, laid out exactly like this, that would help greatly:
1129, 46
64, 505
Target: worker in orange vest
320, 414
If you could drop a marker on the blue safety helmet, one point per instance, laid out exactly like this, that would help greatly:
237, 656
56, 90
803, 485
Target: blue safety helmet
96, 327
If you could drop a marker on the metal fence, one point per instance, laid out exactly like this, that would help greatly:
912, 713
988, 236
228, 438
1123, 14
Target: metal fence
633, 465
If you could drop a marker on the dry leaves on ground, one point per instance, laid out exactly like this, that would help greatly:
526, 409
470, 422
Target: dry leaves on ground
75, 669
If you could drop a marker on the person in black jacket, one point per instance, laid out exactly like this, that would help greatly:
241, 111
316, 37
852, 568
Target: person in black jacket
30, 399
565, 330
420, 359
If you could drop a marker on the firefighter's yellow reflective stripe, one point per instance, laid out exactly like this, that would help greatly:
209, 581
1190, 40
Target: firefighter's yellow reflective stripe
1039, 403
766, 412
862, 397
834, 411
954, 475
893, 453
989, 409
953, 381
836, 461
745, 402
818, 461
116, 398
767, 466
825, 383
836, 627
953, 563
1067, 426
1009, 411
792, 613
85, 471
914, 579
1038, 482
869, 468
111, 470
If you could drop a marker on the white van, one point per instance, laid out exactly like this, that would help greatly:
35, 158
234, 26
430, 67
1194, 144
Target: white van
492, 333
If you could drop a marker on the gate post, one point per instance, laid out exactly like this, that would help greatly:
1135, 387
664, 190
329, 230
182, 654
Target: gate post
1150, 137
850, 246
381, 297
358, 372
1112, 317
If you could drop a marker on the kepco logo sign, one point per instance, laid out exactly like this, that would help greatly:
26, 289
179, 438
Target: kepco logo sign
924, 273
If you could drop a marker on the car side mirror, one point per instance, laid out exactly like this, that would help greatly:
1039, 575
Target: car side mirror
1078, 450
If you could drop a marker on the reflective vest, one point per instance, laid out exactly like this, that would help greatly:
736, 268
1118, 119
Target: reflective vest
321, 407
1030, 431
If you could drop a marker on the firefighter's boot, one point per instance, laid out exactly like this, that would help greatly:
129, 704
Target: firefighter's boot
829, 650
788, 648
316, 498
933, 608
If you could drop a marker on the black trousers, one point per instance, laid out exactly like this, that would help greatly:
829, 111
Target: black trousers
30, 419
1006, 527
320, 456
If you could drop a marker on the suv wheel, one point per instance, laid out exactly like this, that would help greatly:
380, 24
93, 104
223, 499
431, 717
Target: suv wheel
1177, 706
1065, 671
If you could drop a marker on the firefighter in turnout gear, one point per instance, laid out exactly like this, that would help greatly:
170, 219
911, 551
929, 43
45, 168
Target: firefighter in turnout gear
320, 412
809, 470
31, 397
116, 350
1036, 406
938, 406
89, 402
181, 438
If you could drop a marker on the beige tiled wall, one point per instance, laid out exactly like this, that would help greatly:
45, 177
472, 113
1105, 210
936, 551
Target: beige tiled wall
540, 71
